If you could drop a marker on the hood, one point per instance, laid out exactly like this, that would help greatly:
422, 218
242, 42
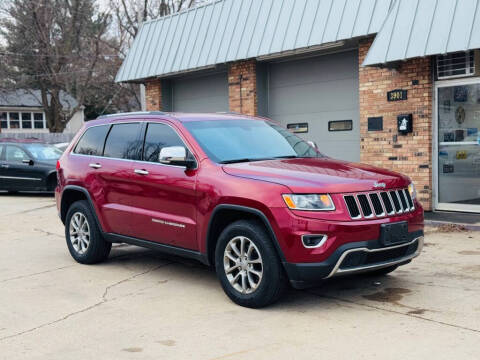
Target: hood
313, 175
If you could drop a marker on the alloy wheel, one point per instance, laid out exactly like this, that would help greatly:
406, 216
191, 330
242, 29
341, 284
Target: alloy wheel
243, 264
79, 232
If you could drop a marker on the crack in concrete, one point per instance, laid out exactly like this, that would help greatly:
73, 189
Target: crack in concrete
34, 209
109, 287
35, 274
88, 308
394, 312
48, 233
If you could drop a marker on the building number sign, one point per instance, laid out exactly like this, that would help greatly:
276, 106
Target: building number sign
397, 95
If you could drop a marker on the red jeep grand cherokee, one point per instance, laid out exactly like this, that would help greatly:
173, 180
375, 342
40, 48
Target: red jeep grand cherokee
236, 192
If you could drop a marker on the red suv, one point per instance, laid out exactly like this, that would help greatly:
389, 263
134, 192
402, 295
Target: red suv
236, 192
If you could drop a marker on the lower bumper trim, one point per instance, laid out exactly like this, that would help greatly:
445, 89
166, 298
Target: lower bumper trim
337, 270
355, 257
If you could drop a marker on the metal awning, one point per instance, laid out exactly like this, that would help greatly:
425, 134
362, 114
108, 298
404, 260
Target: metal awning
231, 30
416, 28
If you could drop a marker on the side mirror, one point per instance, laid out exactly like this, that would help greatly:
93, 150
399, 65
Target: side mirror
312, 144
28, 161
175, 155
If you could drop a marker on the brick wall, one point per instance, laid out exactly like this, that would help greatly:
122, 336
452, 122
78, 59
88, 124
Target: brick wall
409, 154
153, 95
242, 87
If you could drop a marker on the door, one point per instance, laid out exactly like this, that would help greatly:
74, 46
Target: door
107, 173
457, 146
19, 172
207, 93
122, 147
165, 199
321, 92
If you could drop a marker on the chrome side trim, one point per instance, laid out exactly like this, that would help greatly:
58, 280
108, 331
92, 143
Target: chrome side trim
20, 178
337, 271
140, 121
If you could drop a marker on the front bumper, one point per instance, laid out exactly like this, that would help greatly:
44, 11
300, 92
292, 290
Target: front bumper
355, 257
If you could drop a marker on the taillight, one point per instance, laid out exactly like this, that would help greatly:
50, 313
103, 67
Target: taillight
58, 165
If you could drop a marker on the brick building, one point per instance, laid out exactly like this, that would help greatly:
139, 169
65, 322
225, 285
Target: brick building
392, 83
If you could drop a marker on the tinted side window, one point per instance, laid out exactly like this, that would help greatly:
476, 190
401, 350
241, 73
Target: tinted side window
157, 137
122, 142
91, 142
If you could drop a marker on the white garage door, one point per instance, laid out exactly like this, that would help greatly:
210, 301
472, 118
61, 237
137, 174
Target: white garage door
200, 94
318, 91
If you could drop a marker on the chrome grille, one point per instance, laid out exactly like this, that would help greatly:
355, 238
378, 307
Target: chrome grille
387, 202
365, 205
378, 204
352, 207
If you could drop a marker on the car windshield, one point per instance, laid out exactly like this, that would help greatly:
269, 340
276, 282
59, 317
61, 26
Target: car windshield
229, 141
43, 152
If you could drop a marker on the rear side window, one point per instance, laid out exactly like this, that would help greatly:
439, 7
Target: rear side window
91, 142
159, 136
123, 142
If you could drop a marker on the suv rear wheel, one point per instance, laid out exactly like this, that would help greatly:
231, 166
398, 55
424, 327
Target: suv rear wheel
84, 239
247, 265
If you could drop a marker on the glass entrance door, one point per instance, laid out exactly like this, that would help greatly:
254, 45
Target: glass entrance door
458, 146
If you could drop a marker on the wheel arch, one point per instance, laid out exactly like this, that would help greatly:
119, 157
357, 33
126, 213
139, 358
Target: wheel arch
225, 214
71, 194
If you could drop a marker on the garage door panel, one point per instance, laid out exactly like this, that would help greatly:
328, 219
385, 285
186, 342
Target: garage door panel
346, 150
316, 91
321, 69
331, 96
319, 129
201, 94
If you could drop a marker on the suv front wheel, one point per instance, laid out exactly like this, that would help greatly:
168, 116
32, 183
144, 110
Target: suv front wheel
247, 265
84, 239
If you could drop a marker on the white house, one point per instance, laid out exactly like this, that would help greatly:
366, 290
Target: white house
21, 111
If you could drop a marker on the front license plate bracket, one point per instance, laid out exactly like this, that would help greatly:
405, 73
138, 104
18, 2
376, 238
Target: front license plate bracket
394, 233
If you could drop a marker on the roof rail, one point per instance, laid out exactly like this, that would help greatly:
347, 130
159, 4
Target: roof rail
229, 112
133, 113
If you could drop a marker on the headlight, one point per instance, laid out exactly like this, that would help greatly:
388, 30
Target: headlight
316, 202
412, 191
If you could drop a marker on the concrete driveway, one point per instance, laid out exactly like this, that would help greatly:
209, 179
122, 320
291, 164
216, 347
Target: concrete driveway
145, 305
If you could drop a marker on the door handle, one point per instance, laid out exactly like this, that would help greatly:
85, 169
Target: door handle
5, 166
140, 172
95, 165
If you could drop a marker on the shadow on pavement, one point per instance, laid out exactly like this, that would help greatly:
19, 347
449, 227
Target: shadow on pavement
347, 289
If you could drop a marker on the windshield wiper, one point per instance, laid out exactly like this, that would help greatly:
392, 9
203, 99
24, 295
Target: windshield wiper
243, 160
287, 157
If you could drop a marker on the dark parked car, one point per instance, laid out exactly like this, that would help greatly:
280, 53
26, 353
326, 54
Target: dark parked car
28, 166
239, 193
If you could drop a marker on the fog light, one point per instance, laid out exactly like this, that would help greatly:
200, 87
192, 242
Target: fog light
314, 241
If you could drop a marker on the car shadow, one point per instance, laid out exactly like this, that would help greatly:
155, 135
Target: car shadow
345, 289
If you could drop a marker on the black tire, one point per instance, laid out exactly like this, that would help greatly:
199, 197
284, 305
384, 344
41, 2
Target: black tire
98, 249
273, 281
382, 272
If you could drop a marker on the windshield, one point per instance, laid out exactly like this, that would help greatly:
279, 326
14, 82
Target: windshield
228, 141
43, 152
